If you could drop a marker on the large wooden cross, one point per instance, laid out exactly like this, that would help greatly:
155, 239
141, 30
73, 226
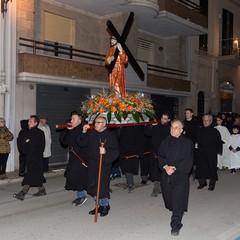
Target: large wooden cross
121, 39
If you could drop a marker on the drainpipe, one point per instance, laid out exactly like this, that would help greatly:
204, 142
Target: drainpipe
10, 72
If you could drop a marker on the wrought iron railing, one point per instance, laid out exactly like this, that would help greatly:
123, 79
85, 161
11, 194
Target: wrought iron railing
229, 46
190, 4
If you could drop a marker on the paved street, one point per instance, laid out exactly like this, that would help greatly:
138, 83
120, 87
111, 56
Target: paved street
212, 215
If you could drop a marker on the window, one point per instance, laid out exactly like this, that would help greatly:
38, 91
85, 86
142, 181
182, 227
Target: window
203, 42
203, 39
204, 7
227, 32
58, 28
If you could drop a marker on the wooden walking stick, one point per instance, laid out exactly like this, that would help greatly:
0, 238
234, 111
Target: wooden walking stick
99, 183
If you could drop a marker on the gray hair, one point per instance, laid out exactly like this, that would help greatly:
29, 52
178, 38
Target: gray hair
177, 121
208, 116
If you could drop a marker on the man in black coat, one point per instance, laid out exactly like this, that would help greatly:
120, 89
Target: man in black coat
209, 145
131, 148
176, 160
76, 172
20, 139
100, 141
190, 127
32, 147
157, 132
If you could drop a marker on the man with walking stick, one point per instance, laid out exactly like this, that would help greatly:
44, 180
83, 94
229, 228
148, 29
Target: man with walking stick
103, 149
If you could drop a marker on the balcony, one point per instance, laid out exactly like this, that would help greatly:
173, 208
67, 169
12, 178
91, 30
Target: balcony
229, 51
74, 66
164, 18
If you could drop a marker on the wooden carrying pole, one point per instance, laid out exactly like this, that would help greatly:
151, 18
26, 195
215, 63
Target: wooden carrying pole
99, 184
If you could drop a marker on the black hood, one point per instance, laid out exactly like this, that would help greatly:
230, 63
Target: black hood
24, 124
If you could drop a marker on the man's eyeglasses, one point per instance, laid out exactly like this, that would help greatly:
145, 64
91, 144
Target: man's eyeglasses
98, 122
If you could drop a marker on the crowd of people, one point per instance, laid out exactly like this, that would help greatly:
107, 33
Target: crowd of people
167, 153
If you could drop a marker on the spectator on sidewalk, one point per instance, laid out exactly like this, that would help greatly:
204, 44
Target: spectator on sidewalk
48, 141
5, 137
32, 147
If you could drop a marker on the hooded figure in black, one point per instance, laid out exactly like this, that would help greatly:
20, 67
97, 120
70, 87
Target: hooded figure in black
32, 147
21, 137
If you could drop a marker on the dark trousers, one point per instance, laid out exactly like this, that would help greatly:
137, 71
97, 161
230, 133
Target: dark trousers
3, 162
45, 164
203, 181
154, 171
22, 164
176, 221
144, 164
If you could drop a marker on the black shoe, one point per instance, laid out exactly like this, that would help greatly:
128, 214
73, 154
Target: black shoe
20, 195
104, 211
39, 193
92, 212
22, 174
201, 186
143, 182
175, 232
79, 201
211, 188
129, 188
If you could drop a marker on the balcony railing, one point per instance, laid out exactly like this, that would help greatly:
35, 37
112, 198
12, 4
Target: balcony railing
229, 46
56, 49
59, 50
185, 9
190, 5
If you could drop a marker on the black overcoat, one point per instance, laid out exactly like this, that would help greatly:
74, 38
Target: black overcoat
76, 174
176, 152
33, 151
93, 140
157, 133
131, 143
209, 145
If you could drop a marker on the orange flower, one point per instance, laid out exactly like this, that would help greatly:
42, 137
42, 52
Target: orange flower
101, 110
94, 110
130, 108
101, 100
114, 101
106, 101
122, 105
113, 109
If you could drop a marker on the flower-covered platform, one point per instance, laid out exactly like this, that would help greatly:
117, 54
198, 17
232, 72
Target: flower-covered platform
132, 108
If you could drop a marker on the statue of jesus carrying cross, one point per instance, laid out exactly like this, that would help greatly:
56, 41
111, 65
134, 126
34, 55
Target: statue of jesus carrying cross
118, 56
117, 79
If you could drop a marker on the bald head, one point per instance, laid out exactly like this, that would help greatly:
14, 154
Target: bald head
176, 128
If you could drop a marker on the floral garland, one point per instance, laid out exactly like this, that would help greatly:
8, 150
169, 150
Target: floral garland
130, 108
